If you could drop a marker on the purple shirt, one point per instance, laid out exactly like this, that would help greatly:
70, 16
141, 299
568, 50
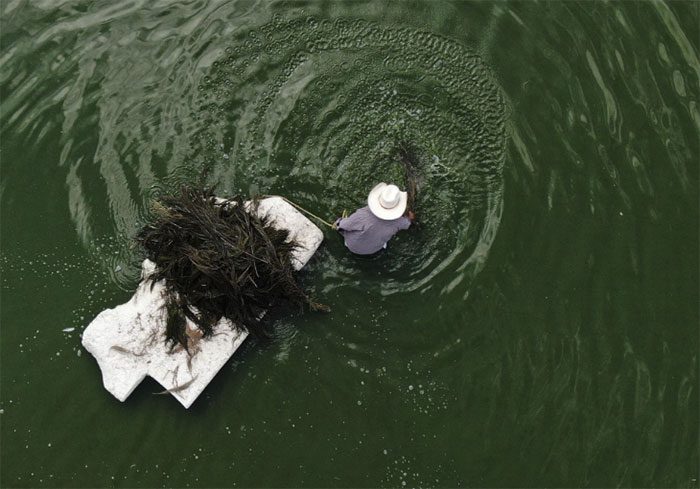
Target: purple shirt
365, 233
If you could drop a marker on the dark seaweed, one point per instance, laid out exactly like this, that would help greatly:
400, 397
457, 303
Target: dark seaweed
218, 260
407, 155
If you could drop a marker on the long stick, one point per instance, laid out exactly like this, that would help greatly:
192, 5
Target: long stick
309, 213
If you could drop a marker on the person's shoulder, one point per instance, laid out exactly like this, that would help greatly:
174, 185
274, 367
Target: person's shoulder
361, 213
365, 214
357, 221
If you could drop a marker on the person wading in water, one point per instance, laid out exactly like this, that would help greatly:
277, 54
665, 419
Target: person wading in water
388, 211
368, 229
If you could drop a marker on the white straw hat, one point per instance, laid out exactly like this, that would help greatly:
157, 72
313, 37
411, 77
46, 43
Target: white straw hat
387, 201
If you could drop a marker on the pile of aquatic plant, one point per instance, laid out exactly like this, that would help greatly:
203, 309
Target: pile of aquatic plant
218, 259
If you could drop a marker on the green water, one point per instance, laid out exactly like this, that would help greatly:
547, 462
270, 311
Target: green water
539, 328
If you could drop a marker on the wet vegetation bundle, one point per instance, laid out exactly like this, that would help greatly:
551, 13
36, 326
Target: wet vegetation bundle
218, 259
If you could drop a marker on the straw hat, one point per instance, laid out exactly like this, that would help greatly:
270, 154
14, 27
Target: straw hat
387, 202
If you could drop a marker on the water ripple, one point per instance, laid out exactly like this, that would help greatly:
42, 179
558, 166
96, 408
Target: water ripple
308, 108
314, 109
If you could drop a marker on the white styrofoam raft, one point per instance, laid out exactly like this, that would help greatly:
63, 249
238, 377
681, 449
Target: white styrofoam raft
129, 340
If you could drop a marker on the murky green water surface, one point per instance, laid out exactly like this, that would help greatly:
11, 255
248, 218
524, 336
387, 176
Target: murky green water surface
540, 327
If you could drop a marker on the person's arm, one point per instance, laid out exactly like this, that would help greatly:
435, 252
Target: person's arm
405, 222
